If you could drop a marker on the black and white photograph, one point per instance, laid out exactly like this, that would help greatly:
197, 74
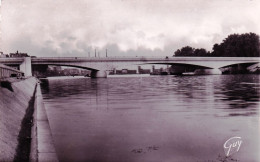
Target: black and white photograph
129, 81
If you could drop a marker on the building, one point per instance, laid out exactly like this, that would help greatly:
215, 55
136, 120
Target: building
131, 72
118, 72
2, 55
18, 54
74, 71
125, 71
161, 71
57, 69
85, 72
143, 71
155, 71
71, 71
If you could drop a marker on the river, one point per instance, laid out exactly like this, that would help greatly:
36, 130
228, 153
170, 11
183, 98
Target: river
153, 118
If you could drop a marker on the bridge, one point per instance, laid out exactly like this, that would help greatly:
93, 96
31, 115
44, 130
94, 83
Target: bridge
99, 66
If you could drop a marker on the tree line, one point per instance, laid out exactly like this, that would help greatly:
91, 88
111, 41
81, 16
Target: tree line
235, 45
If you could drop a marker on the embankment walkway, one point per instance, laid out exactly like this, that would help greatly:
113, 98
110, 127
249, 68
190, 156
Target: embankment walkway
41, 133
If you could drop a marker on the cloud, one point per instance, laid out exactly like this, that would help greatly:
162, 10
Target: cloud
131, 27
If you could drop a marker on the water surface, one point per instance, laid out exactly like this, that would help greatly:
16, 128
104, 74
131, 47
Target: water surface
157, 118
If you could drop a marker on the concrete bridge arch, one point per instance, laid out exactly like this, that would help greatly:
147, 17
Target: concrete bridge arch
95, 73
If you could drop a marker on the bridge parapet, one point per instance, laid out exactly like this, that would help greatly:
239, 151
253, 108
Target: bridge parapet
146, 59
6, 71
11, 61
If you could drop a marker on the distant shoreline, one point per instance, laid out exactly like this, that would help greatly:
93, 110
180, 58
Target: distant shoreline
109, 76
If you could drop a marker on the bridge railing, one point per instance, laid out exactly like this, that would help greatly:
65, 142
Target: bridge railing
98, 58
6, 72
142, 58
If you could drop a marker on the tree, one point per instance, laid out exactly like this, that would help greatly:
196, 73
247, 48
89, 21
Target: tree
185, 51
201, 52
191, 52
235, 45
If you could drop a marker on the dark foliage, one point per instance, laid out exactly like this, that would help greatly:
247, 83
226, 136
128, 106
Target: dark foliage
235, 45
189, 51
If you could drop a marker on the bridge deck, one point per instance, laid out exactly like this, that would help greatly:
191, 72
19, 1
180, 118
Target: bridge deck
146, 59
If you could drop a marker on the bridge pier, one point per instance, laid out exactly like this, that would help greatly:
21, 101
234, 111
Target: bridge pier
98, 74
207, 72
26, 66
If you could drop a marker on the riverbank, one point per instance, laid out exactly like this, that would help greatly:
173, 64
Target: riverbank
15, 117
24, 127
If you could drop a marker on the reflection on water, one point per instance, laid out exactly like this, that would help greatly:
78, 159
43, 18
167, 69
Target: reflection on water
160, 118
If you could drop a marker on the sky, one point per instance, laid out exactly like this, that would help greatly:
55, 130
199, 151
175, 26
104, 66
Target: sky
123, 27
